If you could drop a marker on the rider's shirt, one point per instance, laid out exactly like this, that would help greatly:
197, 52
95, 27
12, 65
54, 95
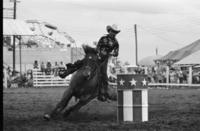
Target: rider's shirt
107, 44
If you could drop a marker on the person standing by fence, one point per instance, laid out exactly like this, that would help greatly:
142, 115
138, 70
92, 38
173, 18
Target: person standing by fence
5, 80
55, 68
61, 67
180, 76
48, 68
35, 65
42, 67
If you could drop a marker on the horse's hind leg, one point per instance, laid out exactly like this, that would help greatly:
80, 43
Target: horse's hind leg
76, 107
61, 105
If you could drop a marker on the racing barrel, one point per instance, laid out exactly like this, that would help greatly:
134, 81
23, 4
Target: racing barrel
132, 98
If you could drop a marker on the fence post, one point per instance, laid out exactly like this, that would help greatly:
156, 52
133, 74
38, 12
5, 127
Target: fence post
52, 80
36, 79
190, 75
167, 74
5, 84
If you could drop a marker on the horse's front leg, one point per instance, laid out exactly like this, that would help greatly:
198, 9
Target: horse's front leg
61, 105
77, 106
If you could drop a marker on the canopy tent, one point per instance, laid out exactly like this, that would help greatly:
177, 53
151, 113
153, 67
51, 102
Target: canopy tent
193, 59
149, 61
13, 27
48, 32
181, 53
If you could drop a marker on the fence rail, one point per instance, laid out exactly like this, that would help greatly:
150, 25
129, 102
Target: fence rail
165, 85
42, 80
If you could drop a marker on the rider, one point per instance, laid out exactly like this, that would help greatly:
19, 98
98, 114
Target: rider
107, 45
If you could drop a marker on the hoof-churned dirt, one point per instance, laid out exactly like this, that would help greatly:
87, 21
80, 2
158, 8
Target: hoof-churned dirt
174, 109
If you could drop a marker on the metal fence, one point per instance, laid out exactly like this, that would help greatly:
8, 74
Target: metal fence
42, 80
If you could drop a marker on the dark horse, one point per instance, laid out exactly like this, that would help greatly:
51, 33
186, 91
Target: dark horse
83, 85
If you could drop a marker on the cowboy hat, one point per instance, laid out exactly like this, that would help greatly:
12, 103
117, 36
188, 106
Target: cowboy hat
113, 28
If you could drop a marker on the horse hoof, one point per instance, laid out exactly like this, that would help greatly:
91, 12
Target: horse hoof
46, 117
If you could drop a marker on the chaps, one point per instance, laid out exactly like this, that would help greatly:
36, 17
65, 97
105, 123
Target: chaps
103, 79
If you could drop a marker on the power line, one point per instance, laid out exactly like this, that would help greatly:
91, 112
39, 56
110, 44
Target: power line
160, 36
171, 31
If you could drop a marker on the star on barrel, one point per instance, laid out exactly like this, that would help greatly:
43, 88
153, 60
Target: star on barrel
144, 82
133, 82
121, 82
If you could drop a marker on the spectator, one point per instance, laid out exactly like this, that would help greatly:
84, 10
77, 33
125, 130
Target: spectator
29, 74
172, 75
196, 78
55, 69
180, 76
9, 71
48, 68
42, 67
35, 65
184, 76
164, 77
176, 76
61, 67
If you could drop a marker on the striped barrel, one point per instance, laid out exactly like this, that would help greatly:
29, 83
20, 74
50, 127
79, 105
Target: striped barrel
132, 98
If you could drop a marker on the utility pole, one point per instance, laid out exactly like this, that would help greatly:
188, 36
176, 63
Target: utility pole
14, 17
20, 55
13, 54
136, 47
15, 9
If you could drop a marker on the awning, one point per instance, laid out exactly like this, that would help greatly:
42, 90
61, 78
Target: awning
16, 27
193, 59
183, 52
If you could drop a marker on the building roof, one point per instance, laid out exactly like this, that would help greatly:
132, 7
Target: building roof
183, 52
193, 59
16, 27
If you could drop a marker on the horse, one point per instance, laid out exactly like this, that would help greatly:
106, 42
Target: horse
83, 85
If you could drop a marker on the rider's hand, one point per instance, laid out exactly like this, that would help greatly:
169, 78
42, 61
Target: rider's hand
103, 52
111, 54
115, 54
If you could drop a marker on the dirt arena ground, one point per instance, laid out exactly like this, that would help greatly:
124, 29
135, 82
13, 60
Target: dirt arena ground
170, 110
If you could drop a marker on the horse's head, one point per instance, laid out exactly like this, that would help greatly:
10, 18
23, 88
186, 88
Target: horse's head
84, 82
90, 60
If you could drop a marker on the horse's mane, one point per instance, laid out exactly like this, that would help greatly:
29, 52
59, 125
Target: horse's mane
89, 50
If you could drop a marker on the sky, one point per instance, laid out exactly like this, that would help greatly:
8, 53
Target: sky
164, 24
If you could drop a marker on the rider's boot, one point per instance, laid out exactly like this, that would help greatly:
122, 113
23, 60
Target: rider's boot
103, 95
101, 98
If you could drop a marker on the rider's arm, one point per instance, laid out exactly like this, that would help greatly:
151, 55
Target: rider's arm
101, 42
116, 49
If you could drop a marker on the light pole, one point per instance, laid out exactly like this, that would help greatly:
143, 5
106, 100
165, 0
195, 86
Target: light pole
136, 48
